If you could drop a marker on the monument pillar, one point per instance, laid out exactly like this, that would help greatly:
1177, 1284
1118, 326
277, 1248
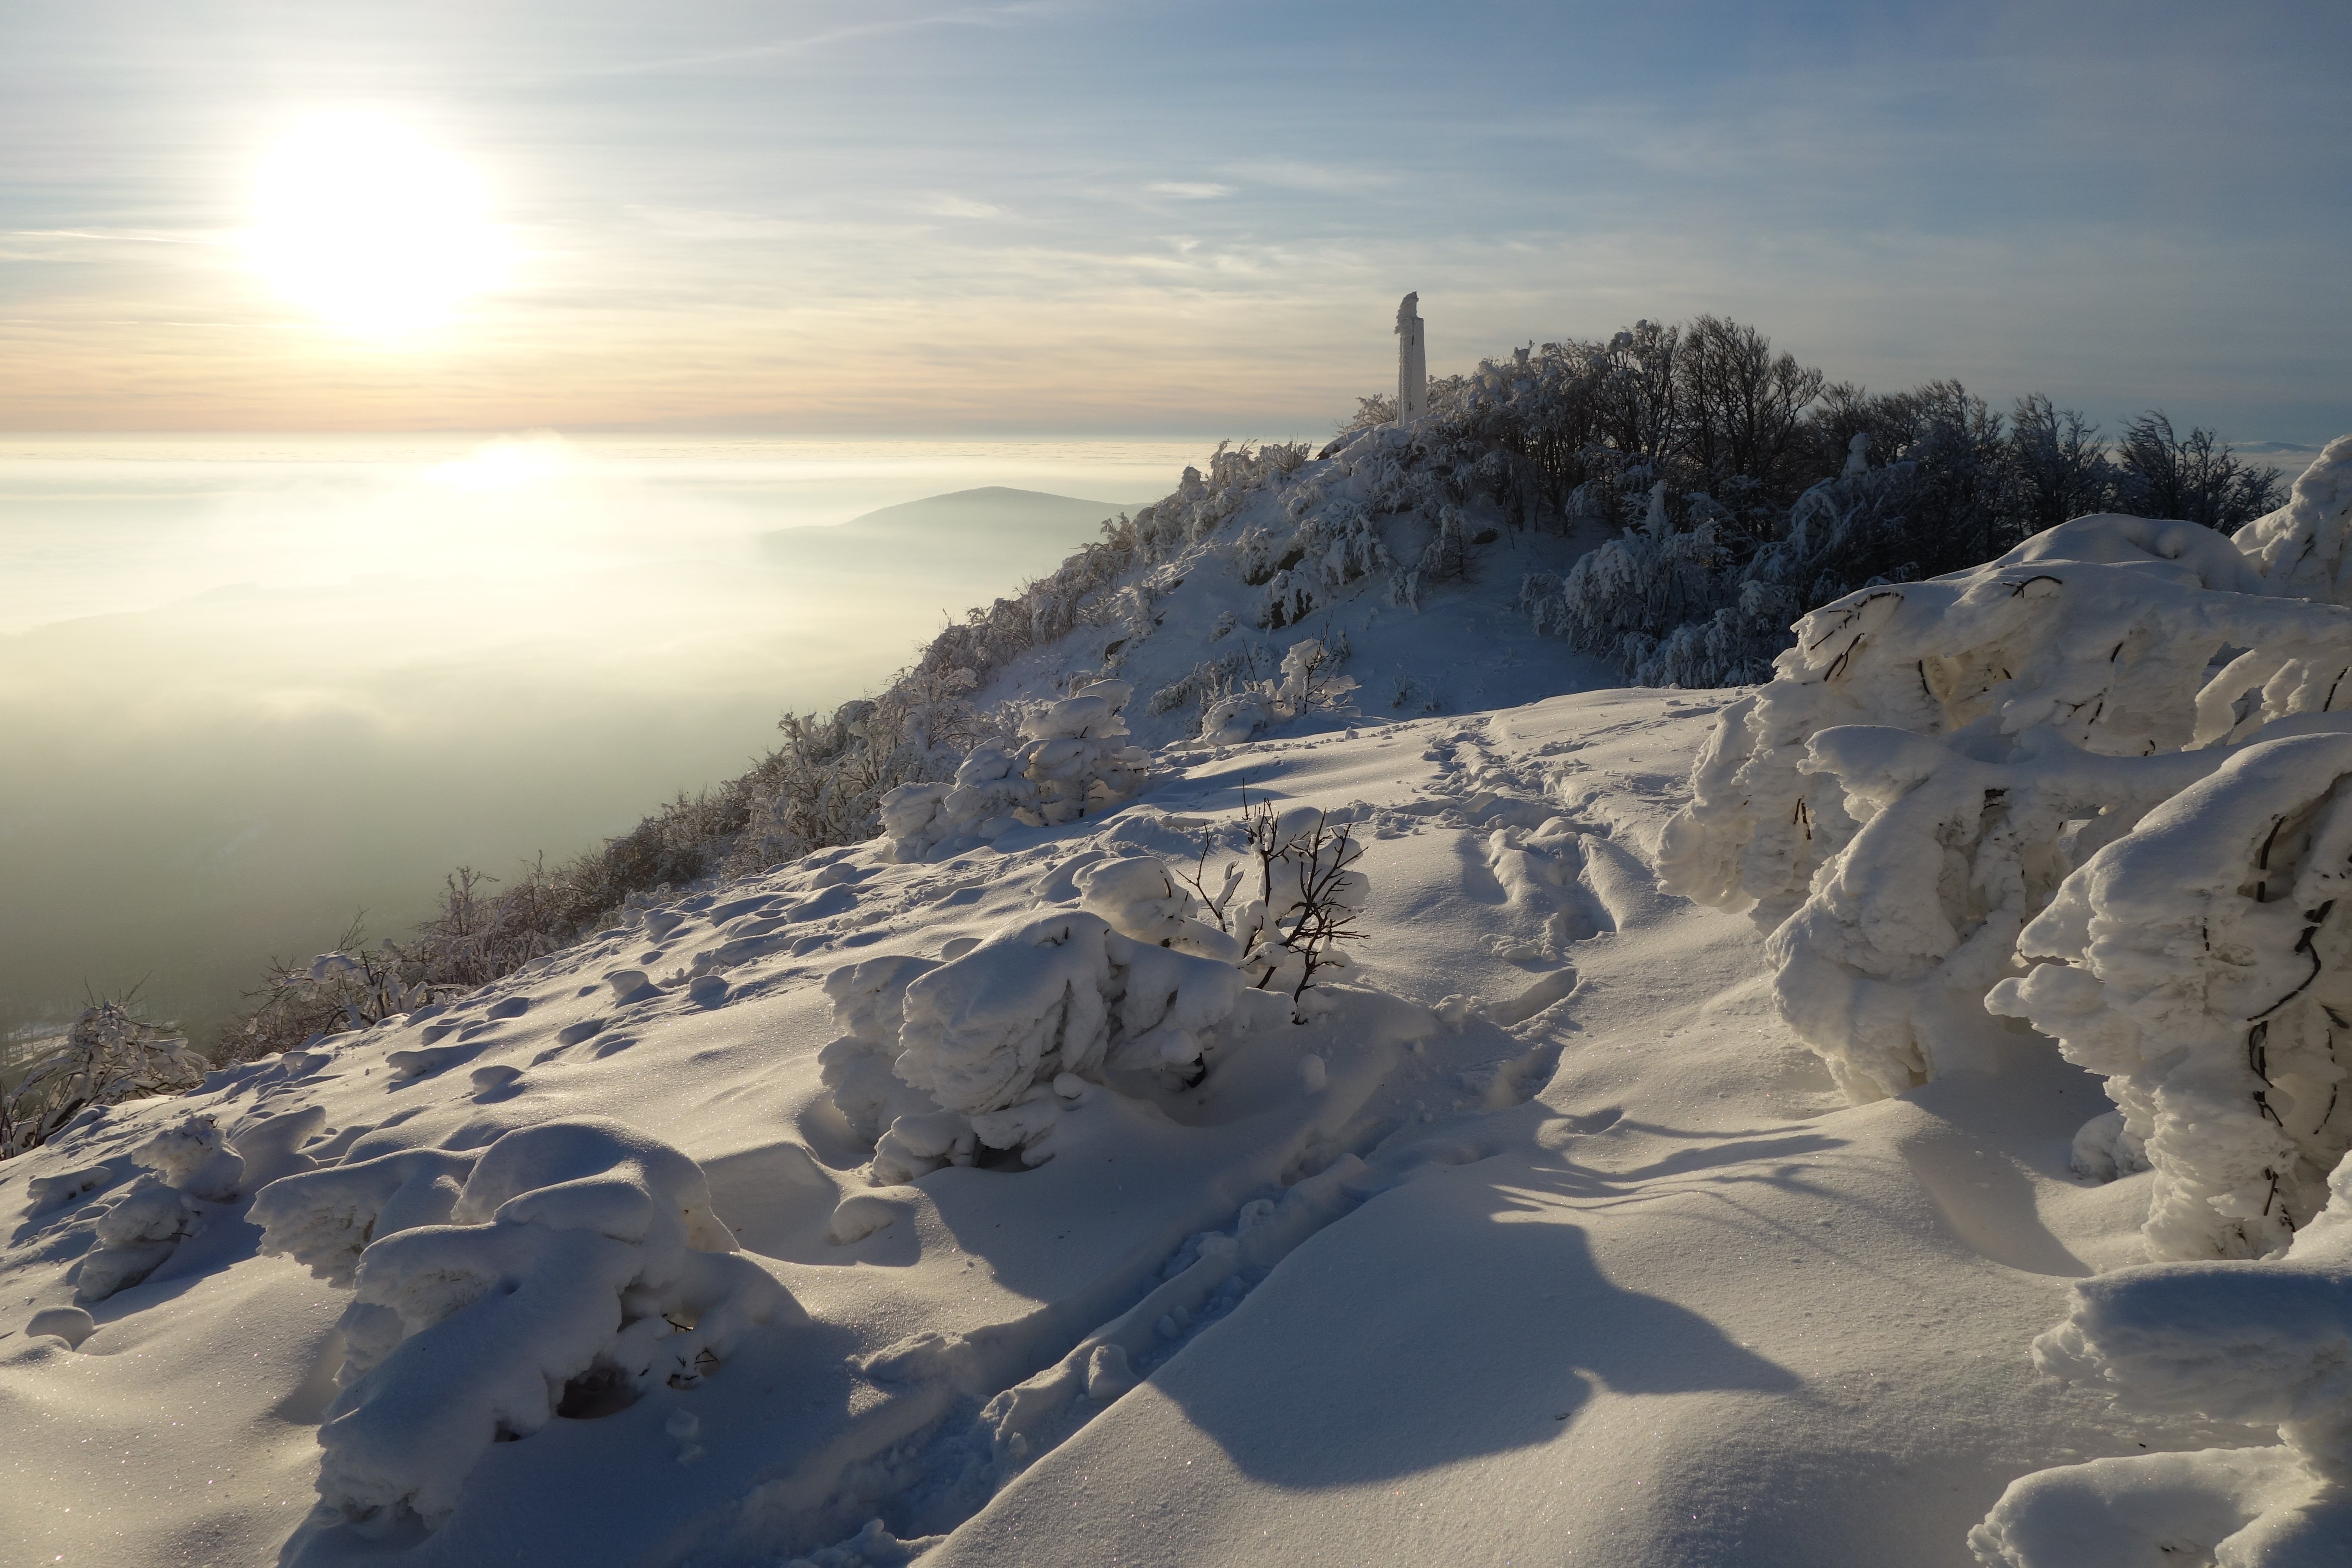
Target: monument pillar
1412, 362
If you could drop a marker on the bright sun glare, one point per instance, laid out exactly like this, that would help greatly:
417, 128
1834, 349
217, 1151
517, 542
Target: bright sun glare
363, 221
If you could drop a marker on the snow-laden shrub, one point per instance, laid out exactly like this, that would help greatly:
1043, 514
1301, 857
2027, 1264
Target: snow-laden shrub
2255, 1342
2204, 966
108, 1057
1144, 901
1339, 544
869, 1001
1662, 604
1290, 597
1210, 680
1310, 681
326, 1221
984, 1050
941, 1060
580, 1258
352, 986
1885, 967
1447, 556
988, 1034
191, 1171
1936, 764
2097, 633
1257, 556
1074, 760
1304, 907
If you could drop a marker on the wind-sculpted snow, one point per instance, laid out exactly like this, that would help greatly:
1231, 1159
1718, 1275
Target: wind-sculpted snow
2267, 1344
987, 1034
577, 1255
2200, 966
1933, 761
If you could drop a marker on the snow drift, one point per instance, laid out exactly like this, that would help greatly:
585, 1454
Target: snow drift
578, 1257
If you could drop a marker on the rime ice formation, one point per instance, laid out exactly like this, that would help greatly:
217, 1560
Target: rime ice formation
2100, 786
1412, 362
2095, 785
1073, 760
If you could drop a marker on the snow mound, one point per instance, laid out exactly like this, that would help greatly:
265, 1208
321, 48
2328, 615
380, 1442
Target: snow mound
581, 1260
2241, 1342
191, 1171
326, 1219
2199, 967
1130, 984
987, 1035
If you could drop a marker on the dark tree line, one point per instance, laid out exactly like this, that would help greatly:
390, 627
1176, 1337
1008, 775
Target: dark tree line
1739, 487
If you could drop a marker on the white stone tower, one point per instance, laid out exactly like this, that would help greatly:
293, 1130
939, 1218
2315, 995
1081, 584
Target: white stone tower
1412, 362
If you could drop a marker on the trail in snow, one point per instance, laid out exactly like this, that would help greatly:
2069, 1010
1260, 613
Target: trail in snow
1547, 1242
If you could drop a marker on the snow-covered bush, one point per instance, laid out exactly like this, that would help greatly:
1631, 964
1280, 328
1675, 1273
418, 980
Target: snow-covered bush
1662, 601
191, 1171
1290, 597
580, 1261
325, 1220
1936, 764
1307, 898
352, 986
988, 1034
1736, 538
2244, 1342
108, 1057
870, 1001
983, 1051
1074, 760
2203, 967
1310, 681
1447, 557
1340, 544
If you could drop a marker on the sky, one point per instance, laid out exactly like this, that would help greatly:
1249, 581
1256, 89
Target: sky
964, 219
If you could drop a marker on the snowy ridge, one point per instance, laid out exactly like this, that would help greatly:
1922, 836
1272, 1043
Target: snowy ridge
1034, 1196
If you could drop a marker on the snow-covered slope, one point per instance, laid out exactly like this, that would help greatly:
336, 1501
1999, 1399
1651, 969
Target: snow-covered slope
1547, 1242
1352, 549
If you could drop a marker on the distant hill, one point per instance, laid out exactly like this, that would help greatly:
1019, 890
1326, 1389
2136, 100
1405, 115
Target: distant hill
1016, 533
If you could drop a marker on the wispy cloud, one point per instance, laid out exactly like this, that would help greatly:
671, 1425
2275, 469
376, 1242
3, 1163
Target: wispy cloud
944, 205
1114, 214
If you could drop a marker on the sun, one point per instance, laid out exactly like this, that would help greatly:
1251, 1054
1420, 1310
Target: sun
364, 222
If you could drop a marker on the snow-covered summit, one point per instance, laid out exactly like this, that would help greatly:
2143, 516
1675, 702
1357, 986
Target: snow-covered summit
1402, 550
